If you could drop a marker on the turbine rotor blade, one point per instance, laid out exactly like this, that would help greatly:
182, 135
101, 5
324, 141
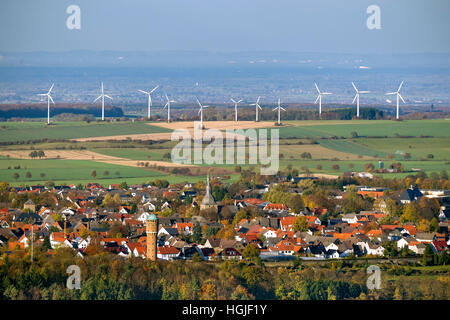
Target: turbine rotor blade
274, 109
145, 92
154, 89
98, 98
354, 87
239, 101
401, 98
317, 99
317, 88
50, 97
50, 88
401, 84
354, 99
108, 96
390, 93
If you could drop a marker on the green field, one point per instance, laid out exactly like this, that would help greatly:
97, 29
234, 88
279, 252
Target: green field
58, 170
351, 147
375, 128
417, 147
71, 130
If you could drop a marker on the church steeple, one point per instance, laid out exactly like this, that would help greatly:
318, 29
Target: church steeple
208, 199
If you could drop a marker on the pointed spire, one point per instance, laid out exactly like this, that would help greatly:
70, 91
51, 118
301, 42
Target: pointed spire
208, 199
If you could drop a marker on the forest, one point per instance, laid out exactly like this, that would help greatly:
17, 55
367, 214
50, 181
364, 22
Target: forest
105, 276
8, 111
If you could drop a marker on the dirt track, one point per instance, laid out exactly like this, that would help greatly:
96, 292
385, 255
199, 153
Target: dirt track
60, 154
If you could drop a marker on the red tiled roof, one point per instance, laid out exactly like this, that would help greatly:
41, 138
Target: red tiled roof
167, 250
374, 233
253, 201
275, 206
440, 245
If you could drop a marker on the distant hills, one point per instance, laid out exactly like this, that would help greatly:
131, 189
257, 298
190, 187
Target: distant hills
8, 111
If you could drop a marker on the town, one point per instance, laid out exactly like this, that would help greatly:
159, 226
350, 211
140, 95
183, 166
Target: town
290, 216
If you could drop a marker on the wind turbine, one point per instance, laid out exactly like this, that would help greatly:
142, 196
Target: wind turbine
168, 107
357, 98
319, 98
49, 98
103, 95
149, 99
398, 96
257, 106
235, 108
279, 109
201, 112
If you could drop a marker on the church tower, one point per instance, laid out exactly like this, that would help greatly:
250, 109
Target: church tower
208, 201
151, 227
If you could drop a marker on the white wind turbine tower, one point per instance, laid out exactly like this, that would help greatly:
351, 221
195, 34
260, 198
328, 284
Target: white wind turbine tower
168, 107
319, 98
235, 108
279, 108
398, 96
149, 94
257, 106
49, 98
201, 112
357, 98
103, 95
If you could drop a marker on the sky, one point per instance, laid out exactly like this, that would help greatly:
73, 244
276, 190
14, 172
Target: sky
326, 26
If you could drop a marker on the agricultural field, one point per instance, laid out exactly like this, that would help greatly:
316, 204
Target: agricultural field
143, 154
11, 132
57, 170
365, 128
352, 147
417, 147
74, 161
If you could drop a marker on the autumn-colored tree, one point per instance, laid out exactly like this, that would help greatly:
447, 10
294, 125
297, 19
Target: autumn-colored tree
251, 252
410, 213
208, 291
300, 224
423, 225
117, 201
107, 201
227, 232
